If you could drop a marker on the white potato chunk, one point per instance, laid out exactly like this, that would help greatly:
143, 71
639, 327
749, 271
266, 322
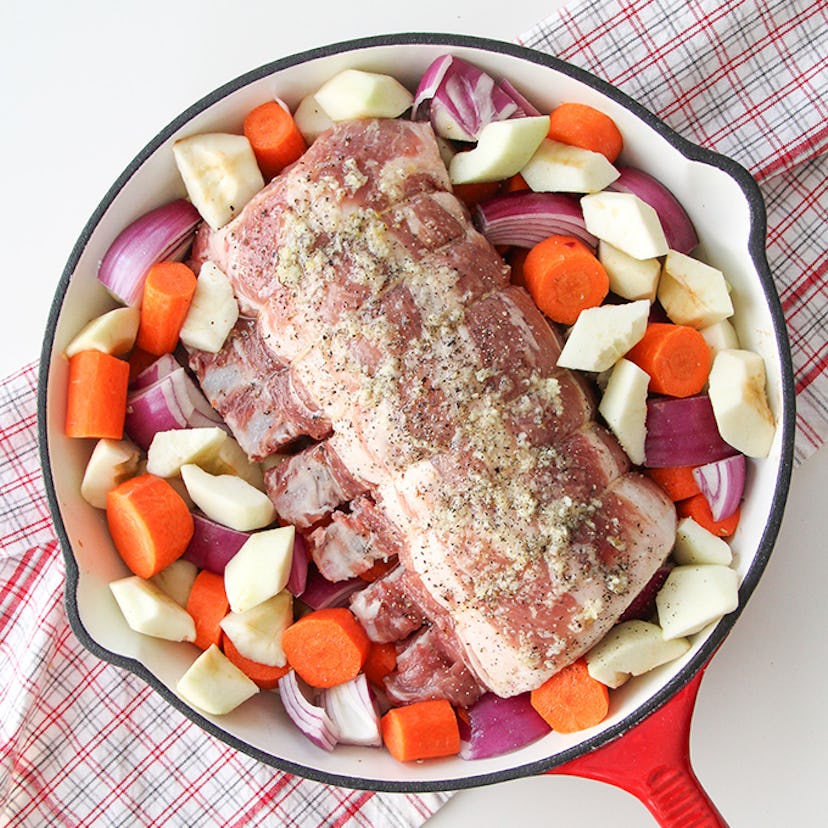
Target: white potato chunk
228, 499
563, 168
170, 450
214, 684
151, 611
354, 93
624, 407
693, 293
601, 336
111, 462
740, 403
177, 580
697, 545
213, 311
502, 150
631, 649
220, 173
260, 569
694, 596
231, 459
311, 120
626, 222
113, 332
257, 632
629, 277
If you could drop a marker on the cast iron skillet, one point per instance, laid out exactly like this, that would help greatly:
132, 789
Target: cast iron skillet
643, 745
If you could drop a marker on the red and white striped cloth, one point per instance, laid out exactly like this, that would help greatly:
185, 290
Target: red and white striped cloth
84, 743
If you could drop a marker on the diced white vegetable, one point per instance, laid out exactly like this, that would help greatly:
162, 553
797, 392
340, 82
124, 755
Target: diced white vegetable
720, 335
697, 545
353, 712
354, 93
170, 450
149, 610
113, 332
311, 119
740, 403
111, 462
214, 684
231, 459
257, 632
626, 222
213, 311
629, 277
692, 292
228, 499
220, 173
624, 407
694, 596
600, 336
503, 149
177, 580
562, 168
260, 569
631, 649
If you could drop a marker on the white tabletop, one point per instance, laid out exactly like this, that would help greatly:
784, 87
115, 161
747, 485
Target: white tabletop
87, 84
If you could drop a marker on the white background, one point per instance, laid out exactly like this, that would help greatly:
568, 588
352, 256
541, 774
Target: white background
87, 84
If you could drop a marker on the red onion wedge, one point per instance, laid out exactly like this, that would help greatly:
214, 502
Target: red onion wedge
683, 432
212, 544
722, 483
313, 721
157, 370
428, 86
525, 218
162, 406
353, 712
162, 234
320, 592
678, 229
496, 726
298, 578
525, 106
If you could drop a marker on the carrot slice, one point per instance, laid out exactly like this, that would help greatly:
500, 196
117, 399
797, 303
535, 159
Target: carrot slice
150, 523
515, 184
326, 647
698, 508
208, 604
263, 675
676, 481
96, 395
274, 137
564, 278
571, 700
422, 730
168, 292
381, 661
584, 126
676, 357
139, 361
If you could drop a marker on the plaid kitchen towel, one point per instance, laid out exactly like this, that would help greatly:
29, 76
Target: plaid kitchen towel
748, 79
84, 743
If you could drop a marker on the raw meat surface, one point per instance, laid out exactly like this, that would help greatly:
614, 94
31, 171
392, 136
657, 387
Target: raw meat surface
520, 532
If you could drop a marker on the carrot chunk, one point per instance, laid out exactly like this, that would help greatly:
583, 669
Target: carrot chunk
326, 647
698, 508
168, 292
676, 357
265, 676
150, 523
584, 126
422, 730
381, 661
571, 699
564, 278
96, 395
677, 482
274, 137
208, 604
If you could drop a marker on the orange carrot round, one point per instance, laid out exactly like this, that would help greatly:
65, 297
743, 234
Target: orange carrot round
584, 126
676, 481
698, 508
676, 357
564, 278
96, 395
150, 523
422, 730
263, 675
168, 292
208, 604
381, 661
274, 137
326, 647
571, 700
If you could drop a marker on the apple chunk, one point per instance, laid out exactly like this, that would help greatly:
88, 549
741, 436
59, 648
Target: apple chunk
629, 277
149, 610
563, 168
354, 93
170, 450
693, 293
213, 311
624, 407
257, 632
113, 332
260, 569
111, 462
694, 596
626, 222
214, 684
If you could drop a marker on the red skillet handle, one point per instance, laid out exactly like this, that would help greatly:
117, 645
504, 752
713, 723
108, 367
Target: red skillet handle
652, 762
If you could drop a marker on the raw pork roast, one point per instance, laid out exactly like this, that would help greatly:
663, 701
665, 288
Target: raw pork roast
426, 420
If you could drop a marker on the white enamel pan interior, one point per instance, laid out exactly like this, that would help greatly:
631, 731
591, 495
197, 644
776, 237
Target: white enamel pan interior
726, 207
